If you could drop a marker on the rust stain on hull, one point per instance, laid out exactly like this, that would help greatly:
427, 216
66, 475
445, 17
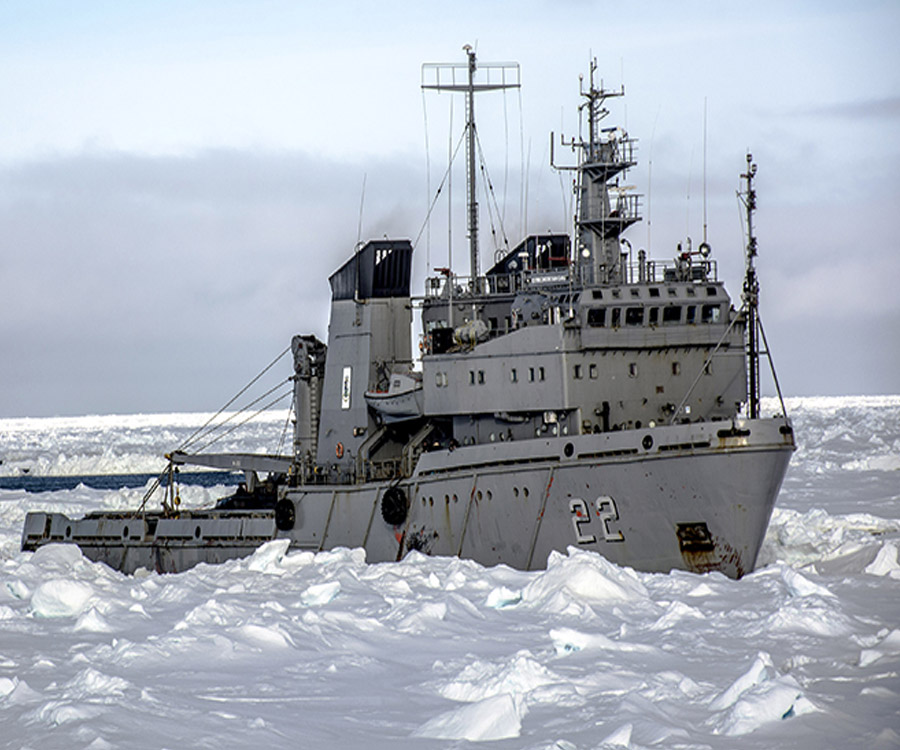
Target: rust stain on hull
703, 552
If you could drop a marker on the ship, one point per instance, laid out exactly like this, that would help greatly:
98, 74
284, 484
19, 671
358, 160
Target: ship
572, 395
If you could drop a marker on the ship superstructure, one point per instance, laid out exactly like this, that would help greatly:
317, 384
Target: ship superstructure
573, 394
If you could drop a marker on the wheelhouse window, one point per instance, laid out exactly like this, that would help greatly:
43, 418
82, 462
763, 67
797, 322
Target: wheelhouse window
711, 313
596, 317
692, 314
634, 316
616, 317
654, 316
671, 315
577, 372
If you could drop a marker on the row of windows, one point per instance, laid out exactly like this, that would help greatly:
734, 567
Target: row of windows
598, 317
476, 377
653, 291
578, 370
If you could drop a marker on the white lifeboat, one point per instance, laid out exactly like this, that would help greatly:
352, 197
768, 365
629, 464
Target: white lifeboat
402, 401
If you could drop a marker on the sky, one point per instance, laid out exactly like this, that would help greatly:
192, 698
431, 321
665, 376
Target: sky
178, 179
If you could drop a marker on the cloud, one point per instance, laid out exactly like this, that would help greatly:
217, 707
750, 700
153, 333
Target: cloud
887, 108
136, 282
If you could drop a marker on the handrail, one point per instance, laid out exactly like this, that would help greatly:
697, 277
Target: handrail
654, 272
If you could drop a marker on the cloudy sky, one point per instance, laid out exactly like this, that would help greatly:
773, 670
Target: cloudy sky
178, 179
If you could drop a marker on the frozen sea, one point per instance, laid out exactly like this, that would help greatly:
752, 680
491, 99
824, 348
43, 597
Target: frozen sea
297, 650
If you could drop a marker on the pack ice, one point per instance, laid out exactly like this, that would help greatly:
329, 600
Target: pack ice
295, 649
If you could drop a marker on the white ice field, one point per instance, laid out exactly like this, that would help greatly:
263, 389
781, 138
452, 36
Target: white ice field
294, 650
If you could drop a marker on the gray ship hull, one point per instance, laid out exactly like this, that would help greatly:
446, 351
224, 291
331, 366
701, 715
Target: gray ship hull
694, 497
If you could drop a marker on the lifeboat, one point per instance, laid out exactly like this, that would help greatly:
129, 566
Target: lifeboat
401, 402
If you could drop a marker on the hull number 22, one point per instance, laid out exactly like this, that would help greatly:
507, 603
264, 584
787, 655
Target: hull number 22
582, 520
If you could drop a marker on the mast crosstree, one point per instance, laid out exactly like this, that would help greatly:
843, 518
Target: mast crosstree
464, 77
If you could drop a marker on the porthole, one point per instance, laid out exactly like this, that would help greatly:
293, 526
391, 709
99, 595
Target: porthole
569, 450
515, 491
197, 533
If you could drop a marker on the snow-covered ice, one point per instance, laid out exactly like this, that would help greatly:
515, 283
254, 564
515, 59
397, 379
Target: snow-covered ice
292, 649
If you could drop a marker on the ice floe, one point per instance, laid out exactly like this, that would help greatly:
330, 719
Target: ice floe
302, 649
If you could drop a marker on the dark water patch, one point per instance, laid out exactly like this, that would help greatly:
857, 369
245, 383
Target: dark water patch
34, 483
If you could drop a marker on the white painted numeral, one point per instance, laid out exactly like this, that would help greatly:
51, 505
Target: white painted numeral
607, 511
581, 515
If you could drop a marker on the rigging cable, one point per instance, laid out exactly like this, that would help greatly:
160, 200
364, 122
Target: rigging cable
427, 182
444, 179
505, 155
195, 435
489, 194
451, 155
524, 175
771, 365
287, 421
199, 432
255, 414
740, 315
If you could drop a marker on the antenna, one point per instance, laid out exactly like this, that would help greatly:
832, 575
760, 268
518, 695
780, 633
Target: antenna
751, 291
362, 200
704, 170
650, 179
462, 78
602, 154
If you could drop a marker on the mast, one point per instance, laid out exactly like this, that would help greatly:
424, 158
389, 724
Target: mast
471, 198
602, 157
508, 75
751, 291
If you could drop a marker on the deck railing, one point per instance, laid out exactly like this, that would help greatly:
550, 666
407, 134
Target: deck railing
648, 272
